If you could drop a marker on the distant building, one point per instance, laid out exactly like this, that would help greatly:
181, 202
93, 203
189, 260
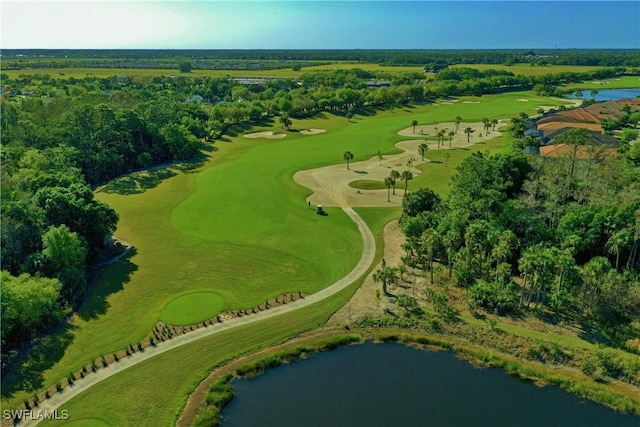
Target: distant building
588, 117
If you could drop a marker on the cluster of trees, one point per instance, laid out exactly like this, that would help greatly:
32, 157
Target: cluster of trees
553, 237
52, 230
105, 141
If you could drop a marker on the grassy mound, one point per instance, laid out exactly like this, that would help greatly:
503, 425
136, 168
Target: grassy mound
367, 184
192, 308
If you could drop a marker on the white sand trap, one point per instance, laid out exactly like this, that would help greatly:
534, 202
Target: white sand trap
471, 102
266, 134
330, 184
522, 100
312, 131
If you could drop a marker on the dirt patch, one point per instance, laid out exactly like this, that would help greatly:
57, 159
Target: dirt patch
266, 134
312, 131
364, 303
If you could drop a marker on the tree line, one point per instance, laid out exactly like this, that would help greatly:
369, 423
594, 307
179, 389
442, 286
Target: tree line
211, 58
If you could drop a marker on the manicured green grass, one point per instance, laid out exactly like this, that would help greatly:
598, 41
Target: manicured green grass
437, 173
157, 389
237, 226
192, 308
367, 184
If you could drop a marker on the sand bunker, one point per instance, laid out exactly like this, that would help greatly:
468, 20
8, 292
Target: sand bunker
471, 102
312, 131
330, 184
522, 100
266, 134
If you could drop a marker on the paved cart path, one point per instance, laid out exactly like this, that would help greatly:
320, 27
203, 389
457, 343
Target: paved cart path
83, 384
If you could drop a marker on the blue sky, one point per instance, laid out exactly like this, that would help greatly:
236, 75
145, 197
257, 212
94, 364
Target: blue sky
320, 24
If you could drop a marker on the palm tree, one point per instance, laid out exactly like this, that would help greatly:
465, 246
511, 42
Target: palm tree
409, 164
395, 175
451, 133
494, 122
458, 120
380, 157
449, 240
468, 131
592, 273
388, 181
423, 148
430, 239
503, 248
414, 123
485, 122
441, 135
348, 156
407, 176
617, 242
594, 92
387, 276
446, 159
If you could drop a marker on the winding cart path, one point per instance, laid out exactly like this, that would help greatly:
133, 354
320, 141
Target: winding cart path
83, 384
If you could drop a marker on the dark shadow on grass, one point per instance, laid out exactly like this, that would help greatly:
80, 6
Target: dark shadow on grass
435, 161
361, 172
109, 281
238, 129
26, 375
137, 182
198, 160
365, 111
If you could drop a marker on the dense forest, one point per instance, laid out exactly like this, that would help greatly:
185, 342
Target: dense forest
554, 237
271, 59
62, 135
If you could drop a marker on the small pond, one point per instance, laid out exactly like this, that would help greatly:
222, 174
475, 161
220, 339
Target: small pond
607, 94
395, 385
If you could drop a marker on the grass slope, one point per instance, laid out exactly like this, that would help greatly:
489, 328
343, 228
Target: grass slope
156, 390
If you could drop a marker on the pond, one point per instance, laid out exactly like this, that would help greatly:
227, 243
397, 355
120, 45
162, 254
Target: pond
395, 385
607, 94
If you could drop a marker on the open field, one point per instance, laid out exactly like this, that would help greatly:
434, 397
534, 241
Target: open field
624, 82
81, 72
151, 72
532, 70
237, 226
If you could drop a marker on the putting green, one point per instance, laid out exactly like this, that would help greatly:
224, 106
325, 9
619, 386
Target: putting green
367, 184
192, 308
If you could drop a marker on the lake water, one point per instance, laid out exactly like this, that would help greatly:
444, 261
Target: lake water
395, 385
608, 94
